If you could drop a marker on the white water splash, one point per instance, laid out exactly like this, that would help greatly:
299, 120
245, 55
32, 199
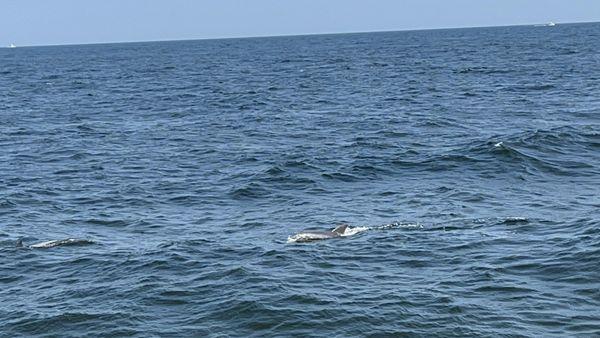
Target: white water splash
398, 225
353, 231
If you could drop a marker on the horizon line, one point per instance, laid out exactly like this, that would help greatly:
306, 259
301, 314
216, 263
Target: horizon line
298, 35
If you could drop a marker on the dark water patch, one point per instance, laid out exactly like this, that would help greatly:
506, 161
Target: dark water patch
249, 191
495, 289
483, 70
10, 279
275, 171
51, 77
68, 322
447, 161
531, 87
515, 220
107, 222
340, 176
367, 170
7, 204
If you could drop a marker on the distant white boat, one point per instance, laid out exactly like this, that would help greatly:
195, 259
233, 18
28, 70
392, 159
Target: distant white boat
12, 45
549, 24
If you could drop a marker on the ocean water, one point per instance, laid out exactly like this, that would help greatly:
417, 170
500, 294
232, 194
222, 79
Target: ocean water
469, 157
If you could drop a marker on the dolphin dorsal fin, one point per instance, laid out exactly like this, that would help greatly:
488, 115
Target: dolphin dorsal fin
340, 229
19, 243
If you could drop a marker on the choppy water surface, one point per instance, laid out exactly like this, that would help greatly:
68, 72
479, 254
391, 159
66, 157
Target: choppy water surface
472, 156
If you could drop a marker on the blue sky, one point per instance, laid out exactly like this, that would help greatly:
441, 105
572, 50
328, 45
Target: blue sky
44, 22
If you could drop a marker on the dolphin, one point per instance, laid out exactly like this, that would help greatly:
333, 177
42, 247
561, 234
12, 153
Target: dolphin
309, 236
56, 242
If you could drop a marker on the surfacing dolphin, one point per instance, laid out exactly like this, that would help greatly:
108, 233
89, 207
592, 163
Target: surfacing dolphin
309, 236
55, 243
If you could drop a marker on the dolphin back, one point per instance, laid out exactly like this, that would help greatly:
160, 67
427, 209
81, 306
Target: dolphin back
309, 236
61, 242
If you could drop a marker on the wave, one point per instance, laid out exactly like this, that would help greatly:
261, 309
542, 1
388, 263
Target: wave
340, 176
249, 191
555, 151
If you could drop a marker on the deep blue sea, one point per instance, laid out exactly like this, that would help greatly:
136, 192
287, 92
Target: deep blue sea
468, 158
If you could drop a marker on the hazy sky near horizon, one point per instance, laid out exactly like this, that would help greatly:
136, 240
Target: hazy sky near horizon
44, 22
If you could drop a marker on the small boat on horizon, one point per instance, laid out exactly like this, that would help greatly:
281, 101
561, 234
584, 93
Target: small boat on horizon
12, 45
549, 24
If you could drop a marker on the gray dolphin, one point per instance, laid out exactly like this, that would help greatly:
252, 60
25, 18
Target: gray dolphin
56, 242
309, 236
